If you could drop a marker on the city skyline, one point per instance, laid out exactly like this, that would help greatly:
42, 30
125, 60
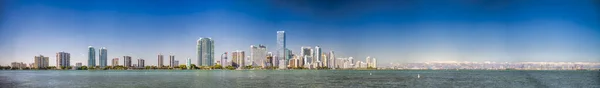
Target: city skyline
405, 32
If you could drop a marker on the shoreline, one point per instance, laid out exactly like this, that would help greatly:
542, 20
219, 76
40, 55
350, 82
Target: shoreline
291, 70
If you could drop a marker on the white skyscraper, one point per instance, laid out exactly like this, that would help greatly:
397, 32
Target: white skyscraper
317, 57
224, 60
351, 62
332, 60
281, 49
374, 63
368, 61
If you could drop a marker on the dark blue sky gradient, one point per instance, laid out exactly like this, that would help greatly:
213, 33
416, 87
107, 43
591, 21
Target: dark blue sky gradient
391, 30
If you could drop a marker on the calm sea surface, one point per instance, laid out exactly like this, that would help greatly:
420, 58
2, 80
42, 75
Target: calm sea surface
298, 78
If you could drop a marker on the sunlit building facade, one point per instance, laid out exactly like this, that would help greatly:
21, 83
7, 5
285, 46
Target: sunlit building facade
205, 52
258, 54
63, 59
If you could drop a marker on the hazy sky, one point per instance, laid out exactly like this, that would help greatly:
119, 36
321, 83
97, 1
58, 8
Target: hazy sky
391, 30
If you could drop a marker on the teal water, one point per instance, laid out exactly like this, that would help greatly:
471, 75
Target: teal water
297, 79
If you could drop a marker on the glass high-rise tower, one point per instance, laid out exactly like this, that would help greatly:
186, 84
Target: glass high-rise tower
205, 51
103, 57
281, 49
91, 56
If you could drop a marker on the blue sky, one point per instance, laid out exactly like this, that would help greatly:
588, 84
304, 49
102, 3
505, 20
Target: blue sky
401, 31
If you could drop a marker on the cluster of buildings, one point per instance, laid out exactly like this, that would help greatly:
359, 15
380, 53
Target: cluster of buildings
451, 65
283, 58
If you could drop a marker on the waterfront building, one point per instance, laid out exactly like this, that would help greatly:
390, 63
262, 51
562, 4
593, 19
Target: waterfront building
141, 63
18, 65
374, 63
306, 54
161, 60
269, 61
127, 61
281, 48
238, 59
176, 62
258, 54
248, 61
188, 63
300, 60
103, 57
63, 59
115, 62
325, 61
368, 60
332, 60
91, 56
172, 63
292, 62
351, 62
205, 51
317, 57
77, 65
224, 60
41, 62
282, 64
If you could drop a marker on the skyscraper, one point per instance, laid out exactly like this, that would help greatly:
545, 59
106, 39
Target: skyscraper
63, 59
172, 63
351, 62
126, 61
237, 59
115, 62
91, 56
141, 63
317, 57
205, 51
40, 62
103, 57
306, 55
368, 61
188, 63
258, 54
281, 48
269, 61
290, 55
332, 60
160, 60
374, 62
224, 59
325, 60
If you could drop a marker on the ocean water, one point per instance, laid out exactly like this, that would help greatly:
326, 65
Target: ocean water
298, 79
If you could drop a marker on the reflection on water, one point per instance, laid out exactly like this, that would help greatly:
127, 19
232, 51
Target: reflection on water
299, 78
